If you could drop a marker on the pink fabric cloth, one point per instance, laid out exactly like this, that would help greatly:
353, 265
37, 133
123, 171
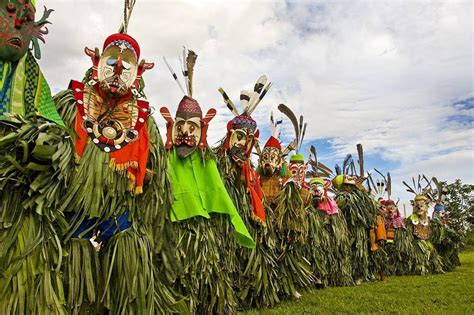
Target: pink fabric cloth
329, 206
396, 222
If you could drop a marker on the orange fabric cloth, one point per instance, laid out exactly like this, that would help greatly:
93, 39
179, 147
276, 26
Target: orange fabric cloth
256, 194
373, 241
380, 232
80, 140
132, 157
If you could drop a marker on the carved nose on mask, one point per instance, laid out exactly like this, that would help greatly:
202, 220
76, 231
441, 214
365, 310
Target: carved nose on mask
18, 22
118, 67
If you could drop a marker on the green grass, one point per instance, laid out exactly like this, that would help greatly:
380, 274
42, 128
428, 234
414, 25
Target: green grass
450, 293
469, 241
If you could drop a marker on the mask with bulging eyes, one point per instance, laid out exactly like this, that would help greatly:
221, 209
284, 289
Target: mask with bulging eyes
109, 102
17, 28
391, 210
297, 168
186, 135
317, 191
241, 137
241, 141
270, 161
188, 131
117, 68
420, 207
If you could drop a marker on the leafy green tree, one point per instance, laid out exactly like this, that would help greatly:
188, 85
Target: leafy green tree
460, 205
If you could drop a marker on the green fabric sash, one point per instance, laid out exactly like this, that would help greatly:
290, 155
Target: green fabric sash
24, 91
198, 191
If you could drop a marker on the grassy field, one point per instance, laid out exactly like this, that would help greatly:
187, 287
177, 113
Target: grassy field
450, 293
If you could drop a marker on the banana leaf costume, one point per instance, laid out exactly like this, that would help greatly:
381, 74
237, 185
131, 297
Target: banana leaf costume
425, 258
360, 211
116, 200
339, 262
401, 253
335, 249
292, 224
292, 220
203, 214
446, 240
399, 246
333, 241
317, 247
34, 155
447, 243
378, 232
257, 282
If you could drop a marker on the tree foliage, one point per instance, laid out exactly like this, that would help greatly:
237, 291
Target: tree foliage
460, 205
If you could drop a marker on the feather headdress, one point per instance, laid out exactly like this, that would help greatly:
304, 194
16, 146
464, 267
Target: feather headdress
419, 189
187, 69
274, 126
188, 104
349, 167
249, 100
379, 187
274, 141
341, 172
338, 169
318, 169
346, 164
299, 126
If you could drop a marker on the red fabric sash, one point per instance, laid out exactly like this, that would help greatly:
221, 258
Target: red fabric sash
256, 194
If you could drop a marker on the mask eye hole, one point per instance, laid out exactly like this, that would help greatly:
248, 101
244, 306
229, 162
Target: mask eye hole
126, 65
111, 61
11, 8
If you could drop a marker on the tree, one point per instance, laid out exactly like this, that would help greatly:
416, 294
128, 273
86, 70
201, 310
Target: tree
460, 205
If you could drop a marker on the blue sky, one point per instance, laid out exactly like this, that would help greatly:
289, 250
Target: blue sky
396, 76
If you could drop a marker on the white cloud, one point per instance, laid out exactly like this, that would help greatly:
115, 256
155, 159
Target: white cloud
383, 73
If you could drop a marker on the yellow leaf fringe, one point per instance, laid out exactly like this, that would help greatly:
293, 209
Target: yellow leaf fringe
259, 220
123, 167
